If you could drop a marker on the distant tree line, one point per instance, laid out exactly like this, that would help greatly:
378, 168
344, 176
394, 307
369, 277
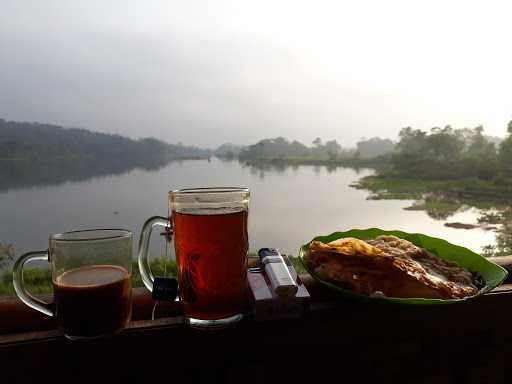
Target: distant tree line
280, 148
441, 153
35, 141
374, 147
448, 153
228, 151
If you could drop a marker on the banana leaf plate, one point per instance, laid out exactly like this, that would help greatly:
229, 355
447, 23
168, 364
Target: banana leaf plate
492, 274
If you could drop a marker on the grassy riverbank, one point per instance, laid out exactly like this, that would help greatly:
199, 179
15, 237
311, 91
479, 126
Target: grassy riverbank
441, 199
478, 192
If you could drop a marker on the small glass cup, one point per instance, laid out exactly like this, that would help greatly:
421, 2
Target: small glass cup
91, 276
209, 226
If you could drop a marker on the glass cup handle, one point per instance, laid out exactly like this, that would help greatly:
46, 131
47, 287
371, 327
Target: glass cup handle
19, 285
143, 256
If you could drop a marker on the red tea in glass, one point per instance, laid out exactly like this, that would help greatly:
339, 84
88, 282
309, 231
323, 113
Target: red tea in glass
210, 239
211, 256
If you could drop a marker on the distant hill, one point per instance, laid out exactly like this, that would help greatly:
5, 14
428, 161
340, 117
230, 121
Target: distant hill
36, 141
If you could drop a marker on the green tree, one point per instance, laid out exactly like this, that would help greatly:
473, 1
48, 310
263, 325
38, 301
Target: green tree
332, 148
374, 147
445, 153
505, 155
317, 142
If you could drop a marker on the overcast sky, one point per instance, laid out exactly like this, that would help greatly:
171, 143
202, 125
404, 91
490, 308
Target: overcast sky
209, 72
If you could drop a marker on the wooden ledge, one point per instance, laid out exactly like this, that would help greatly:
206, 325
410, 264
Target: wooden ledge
505, 262
495, 307
17, 317
468, 342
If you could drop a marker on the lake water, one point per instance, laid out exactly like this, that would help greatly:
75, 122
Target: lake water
289, 205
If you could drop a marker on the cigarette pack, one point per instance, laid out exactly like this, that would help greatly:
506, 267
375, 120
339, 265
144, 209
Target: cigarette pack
269, 306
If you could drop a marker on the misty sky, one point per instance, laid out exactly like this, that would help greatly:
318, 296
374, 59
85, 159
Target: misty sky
209, 72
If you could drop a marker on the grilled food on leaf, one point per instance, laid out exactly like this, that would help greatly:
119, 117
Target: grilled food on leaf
390, 266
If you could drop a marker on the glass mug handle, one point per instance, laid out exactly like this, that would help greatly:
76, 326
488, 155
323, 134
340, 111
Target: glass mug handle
19, 284
145, 236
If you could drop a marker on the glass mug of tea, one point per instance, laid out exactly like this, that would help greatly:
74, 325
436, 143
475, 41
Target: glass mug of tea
209, 227
91, 276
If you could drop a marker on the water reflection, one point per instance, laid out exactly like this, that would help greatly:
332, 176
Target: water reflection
439, 209
260, 167
25, 173
291, 203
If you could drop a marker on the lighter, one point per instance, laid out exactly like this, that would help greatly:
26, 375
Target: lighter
278, 274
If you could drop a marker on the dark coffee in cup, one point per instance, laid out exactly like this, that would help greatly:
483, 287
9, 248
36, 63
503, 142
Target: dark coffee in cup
91, 272
93, 300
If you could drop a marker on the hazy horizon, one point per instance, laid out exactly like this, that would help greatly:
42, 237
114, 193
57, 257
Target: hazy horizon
206, 73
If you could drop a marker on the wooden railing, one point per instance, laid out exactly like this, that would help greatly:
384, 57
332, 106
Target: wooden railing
469, 342
505, 262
